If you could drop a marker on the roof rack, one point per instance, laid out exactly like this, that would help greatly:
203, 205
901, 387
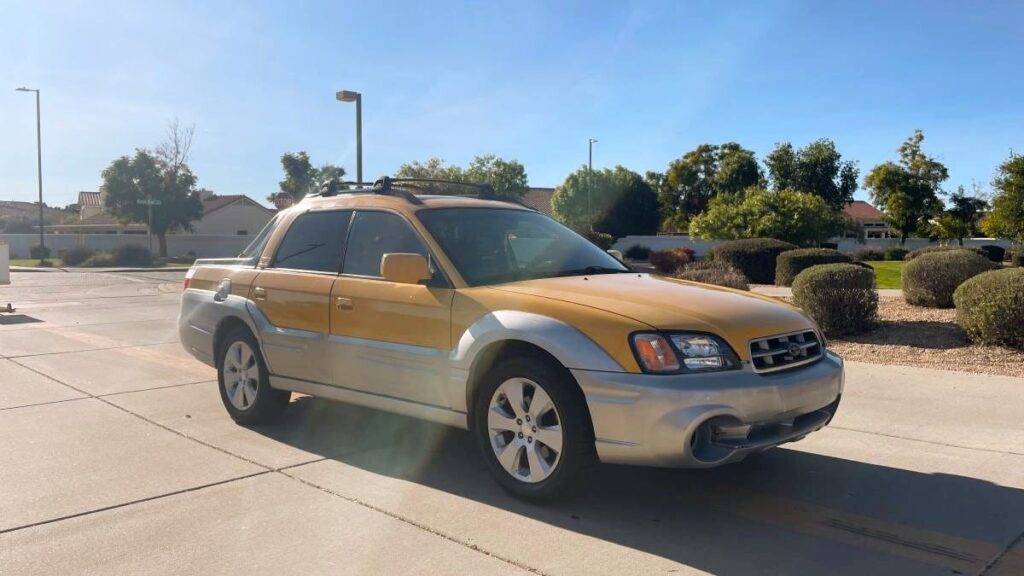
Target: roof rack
387, 186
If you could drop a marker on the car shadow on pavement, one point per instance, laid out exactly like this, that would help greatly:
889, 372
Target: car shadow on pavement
701, 518
12, 319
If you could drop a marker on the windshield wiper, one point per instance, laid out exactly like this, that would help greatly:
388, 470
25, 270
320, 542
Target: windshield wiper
592, 270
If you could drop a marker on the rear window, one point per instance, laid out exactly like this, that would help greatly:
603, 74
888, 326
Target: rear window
315, 242
254, 250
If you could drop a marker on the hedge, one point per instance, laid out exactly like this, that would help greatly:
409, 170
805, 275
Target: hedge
930, 249
755, 257
930, 279
841, 298
792, 262
868, 255
990, 307
76, 255
993, 252
895, 253
669, 261
717, 273
637, 252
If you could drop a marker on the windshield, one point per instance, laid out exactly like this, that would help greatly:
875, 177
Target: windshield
497, 245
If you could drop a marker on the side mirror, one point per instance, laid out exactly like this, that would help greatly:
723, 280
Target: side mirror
404, 268
615, 254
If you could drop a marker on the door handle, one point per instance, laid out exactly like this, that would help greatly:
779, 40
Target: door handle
343, 303
259, 293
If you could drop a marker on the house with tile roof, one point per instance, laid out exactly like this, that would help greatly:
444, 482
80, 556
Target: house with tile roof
228, 215
870, 218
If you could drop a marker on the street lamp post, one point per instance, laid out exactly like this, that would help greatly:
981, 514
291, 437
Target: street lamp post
590, 170
39, 168
349, 96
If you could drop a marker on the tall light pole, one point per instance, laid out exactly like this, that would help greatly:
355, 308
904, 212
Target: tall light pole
590, 170
349, 96
39, 168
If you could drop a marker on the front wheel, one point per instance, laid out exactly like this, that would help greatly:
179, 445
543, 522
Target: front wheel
532, 426
245, 382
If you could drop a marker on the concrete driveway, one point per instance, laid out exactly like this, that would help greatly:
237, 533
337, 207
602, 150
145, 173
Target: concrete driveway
117, 457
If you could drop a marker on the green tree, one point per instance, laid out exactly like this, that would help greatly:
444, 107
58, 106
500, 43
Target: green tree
301, 177
817, 168
966, 210
507, 177
907, 190
128, 180
620, 202
948, 227
1006, 220
797, 217
703, 173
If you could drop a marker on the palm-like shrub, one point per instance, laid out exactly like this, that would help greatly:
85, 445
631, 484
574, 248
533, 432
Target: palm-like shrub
930, 279
841, 298
75, 255
792, 262
990, 307
755, 257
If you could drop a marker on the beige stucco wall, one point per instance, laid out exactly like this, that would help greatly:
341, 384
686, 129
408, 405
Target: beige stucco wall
230, 219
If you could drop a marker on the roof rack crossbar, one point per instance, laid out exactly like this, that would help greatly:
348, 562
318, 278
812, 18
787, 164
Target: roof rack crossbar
486, 191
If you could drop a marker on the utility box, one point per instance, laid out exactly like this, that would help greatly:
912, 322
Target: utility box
5, 262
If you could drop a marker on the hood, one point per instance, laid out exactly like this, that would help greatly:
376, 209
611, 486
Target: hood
670, 304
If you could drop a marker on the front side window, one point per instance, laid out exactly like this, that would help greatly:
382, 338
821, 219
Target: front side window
497, 245
375, 234
315, 242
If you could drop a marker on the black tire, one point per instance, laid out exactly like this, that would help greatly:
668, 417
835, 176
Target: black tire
578, 452
269, 403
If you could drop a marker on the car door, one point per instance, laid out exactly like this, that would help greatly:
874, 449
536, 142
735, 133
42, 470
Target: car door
294, 295
389, 338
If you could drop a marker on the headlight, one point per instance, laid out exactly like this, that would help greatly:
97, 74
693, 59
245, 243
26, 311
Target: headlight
682, 352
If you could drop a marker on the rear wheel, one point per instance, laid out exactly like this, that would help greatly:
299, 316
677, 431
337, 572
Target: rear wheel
245, 383
531, 425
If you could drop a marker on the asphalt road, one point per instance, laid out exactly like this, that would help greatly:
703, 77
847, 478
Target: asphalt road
116, 456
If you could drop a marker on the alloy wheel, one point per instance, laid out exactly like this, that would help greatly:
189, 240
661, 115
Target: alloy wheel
525, 430
241, 375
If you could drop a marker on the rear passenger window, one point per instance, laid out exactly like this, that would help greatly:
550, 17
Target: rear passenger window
375, 234
315, 241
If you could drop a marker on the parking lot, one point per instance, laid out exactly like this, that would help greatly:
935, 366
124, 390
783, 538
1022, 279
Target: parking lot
118, 457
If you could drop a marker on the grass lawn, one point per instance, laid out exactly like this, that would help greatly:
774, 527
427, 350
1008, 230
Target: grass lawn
888, 274
33, 263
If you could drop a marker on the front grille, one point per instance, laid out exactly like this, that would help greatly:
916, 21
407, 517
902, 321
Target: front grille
784, 351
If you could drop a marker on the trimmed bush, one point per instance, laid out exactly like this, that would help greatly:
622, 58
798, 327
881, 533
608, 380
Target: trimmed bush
132, 255
602, 240
755, 257
840, 297
868, 255
39, 252
993, 252
895, 253
75, 255
930, 249
668, 261
717, 273
1017, 259
930, 279
99, 260
793, 262
637, 252
990, 307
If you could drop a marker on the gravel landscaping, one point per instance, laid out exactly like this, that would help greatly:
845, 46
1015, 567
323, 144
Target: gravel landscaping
927, 338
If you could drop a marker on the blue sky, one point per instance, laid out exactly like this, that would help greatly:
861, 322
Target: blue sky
525, 80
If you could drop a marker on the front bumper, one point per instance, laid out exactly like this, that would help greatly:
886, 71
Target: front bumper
705, 420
